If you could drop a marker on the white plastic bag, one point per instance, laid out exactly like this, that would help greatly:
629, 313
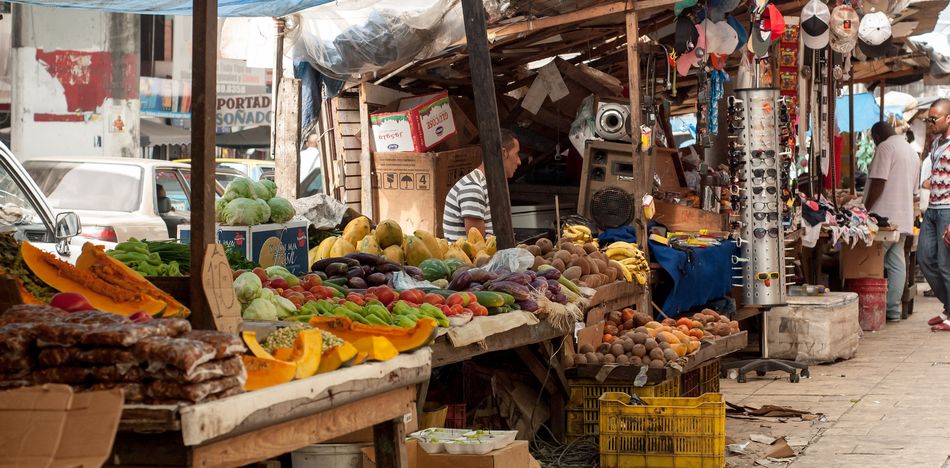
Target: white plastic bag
744, 80
514, 260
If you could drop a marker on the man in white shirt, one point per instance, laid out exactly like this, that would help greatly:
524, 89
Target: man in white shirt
892, 185
310, 157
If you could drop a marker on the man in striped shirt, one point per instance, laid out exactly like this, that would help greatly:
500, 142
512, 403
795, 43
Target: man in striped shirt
933, 245
467, 205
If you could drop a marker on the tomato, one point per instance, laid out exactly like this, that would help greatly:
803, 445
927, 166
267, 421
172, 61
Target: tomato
478, 310
457, 298
384, 293
434, 299
355, 298
412, 295
445, 310
457, 309
472, 299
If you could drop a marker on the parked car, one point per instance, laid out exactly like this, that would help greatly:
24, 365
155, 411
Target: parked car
118, 198
26, 213
255, 169
224, 175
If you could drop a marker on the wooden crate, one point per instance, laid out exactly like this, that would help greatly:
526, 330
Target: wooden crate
687, 219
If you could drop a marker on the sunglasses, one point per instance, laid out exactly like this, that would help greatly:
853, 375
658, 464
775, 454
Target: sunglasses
761, 216
932, 119
767, 275
760, 233
762, 206
763, 161
763, 180
770, 189
761, 172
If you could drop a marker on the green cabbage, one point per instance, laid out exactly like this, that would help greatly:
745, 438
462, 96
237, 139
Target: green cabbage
262, 191
241, 187
285, 308
260, 309
271, 187
247, 286
245, 212
281, 210
219, 206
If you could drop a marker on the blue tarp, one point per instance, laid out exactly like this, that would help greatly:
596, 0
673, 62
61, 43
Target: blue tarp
866, 112
699, 276
226, 8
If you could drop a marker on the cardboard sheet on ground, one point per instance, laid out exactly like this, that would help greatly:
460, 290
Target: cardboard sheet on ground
483, 327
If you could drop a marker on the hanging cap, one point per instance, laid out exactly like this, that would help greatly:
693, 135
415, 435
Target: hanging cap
759, 39
773, 20
718, 9
741, 35
844, 29
875, 28
683, 5
693, 57
814, 23
686, 36
884, 49
721, 38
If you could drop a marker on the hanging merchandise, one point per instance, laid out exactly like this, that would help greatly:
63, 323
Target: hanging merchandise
697, 49
874, 34
717, 79
815, 25
788, 80
844, 33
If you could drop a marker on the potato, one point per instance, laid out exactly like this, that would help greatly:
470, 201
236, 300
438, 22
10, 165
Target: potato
573, 273
657, 364
639, 350
627, 346
628, 325
615, 316
580, 359
545, 245
611, 275
656, 353
636, 361
610, 359
604, 348
640, 328
651, 344
568, 360
623, 359
640, 337
670, 355
646, 361
616, 349
598, 358
538, 262
535, 250
559, 264
564, 256
590, 281
592, 358
585, 348
594, 267
590, 248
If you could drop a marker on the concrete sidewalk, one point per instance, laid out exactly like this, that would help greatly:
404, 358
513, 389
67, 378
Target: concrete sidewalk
884, 408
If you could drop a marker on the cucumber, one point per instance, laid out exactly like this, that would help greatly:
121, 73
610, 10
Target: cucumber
341, 291
499, 310
509, 299
442, 292
490, 299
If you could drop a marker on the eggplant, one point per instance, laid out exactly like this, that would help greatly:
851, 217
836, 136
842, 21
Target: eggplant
518, 291
322, 265
462, 269
560, 298
528, 305
531, 275
356, 283
554, 286
355, 272
376, 279
321, 274
388, 267
548, 294
460, 282
414, 272
539, 284
336, 269
520, 278
367, 270
365, 258
481, 276
476, 287
552, 274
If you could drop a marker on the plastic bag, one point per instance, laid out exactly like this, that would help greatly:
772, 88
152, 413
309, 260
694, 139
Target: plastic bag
514, 260
349, 38
744, 79
582, 129
323, 211
403, 281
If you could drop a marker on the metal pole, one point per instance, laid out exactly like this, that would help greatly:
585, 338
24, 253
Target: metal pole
852, 161
881, 119
277, 75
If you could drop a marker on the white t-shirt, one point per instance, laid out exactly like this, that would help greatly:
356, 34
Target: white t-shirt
896, 162
309, 161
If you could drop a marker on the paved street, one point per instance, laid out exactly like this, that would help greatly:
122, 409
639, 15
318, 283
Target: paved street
884, 408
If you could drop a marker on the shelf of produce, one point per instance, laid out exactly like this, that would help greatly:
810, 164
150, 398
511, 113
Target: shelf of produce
644, 376
444, 353
616, 296
265, 423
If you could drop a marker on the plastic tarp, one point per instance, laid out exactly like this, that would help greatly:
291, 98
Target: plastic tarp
355, 37
156, 134
256, 137
866, 112
183, 7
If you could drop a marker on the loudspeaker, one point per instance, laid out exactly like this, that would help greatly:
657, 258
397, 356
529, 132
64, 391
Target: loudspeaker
607, 184
612, 121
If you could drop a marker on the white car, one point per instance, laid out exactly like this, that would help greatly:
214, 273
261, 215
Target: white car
118, 198
25, 212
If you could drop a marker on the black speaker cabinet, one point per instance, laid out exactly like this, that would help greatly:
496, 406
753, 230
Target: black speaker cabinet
607, 184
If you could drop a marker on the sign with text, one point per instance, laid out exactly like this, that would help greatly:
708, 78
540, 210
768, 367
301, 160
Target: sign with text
244, 111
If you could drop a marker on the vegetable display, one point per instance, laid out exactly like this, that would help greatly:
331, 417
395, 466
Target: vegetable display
249, 203
136, 255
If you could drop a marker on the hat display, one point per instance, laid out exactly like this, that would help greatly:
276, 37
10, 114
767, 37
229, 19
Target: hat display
741, 35
884, 49
686, 36
721, 38
718, 9
693, 57
844, 29
760, 39
875, 28
773, 20
814, 22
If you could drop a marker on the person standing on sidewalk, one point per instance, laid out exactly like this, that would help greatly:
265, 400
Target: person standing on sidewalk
892, 184
933, 246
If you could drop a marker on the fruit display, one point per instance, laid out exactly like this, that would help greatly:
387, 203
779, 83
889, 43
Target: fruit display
633, 338
583, 264
631, 258
578, 234
297, 351
389, 240
527, 287
107, 283
32, 289
136, 255
359, 270
249, 203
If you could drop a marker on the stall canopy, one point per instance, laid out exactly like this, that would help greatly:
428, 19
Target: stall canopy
257, 137
183, 7
156, 134
866, 112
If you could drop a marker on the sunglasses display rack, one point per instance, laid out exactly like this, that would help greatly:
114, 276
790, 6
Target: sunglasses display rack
756, 158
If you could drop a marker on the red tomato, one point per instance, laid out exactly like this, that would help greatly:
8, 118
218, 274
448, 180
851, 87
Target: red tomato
385, 294
457, 298
434, 299
355, 298
457, 309
478, 310
471, 298
412, 295
446, 310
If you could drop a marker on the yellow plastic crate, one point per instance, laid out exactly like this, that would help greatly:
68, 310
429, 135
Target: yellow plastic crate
583, 407
704, 379
667, 433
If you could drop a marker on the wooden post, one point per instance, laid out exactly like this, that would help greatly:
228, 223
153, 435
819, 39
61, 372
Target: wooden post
642, 163
881, 118
278, 76
287, 139
851, 159
204, 54
489, 130
389, 437
832, 100
366, 159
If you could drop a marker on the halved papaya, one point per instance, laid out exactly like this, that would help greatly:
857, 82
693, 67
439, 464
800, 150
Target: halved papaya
337, 357
307, 351
263, 372
404, 339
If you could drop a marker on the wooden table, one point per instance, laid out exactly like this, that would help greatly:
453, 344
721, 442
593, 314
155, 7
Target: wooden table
269, 422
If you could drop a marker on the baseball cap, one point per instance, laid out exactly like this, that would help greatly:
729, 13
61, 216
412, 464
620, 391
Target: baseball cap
884, 49
844, 29
773, 20
691, 58
683, 5
875, 28
685, 36
814, 23
741, 35
718, 9
728, 38
760, 39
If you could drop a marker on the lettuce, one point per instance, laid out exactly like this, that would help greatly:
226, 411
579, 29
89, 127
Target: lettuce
262, 191
245, 212
241, 187
261, 309
248, 287
281, 210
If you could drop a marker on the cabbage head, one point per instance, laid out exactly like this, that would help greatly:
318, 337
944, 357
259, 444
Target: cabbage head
271, 187
260, 309
247, 286
281, 210
262, 191
284, 307
241, 187
245, 212
219, 206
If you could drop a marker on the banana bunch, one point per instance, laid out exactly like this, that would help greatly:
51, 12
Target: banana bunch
631, 258
578, 234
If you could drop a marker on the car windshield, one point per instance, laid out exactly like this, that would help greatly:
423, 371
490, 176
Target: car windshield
225, 178
88, 185
15, 207
241, 167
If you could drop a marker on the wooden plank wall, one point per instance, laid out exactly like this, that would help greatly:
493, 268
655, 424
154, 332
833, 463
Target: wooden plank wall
346, 184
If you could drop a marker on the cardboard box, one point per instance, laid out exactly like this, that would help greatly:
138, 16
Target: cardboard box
466, 131
411, 187
513, 456
681, 218
815, 329
418, 124
267, 244
862, 261
52, 426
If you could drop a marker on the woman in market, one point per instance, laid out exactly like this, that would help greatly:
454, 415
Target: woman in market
467, 205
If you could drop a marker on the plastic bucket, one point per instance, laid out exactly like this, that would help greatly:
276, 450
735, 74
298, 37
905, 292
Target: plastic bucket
433, 415
329, 456
872, 301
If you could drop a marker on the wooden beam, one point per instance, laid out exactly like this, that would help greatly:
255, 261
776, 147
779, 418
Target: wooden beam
204, 54
643, 170
366, 159
287, 139
488, 129
573, 17
881, 119
389, 438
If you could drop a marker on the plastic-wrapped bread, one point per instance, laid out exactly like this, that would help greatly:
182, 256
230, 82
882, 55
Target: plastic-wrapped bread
224, 344
58, 356
94, 374
31, 313
171, 390
181, 353
219, 368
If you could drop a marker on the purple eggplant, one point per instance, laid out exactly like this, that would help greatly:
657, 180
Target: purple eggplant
554, 286
560, 298
520, 278
475, 287
548, 294
460, 282
539, 284
481, 276
414, 272
527, 305
531, 275
552, 274
518, 291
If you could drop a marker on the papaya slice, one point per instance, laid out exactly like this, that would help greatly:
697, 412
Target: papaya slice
263, 372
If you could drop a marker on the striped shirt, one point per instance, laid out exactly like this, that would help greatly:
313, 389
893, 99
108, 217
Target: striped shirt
468, 198
940, 175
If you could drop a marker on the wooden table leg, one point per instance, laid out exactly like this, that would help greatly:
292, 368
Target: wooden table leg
390, 440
